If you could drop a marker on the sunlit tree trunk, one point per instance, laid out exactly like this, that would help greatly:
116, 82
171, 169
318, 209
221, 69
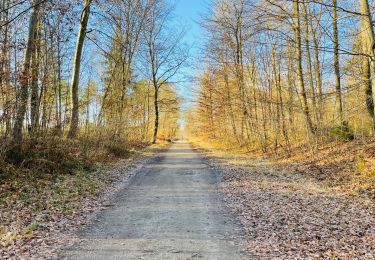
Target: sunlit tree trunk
5, 70
308, 59
336, 63
156, 107
25, 77
301, 83
73, 131
369, 45
34, 109
318, 77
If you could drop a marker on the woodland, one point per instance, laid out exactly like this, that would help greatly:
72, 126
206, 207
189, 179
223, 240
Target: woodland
91, 75
87, 83
81, 83
293, 81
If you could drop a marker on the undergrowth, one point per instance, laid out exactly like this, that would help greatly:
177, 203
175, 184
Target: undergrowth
52, 175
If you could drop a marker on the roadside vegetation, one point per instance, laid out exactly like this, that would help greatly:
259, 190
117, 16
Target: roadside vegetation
287, 86
291, 81
83, 85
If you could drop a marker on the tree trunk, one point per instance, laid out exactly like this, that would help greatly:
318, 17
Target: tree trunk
59, 93
301, 83
25, 76
156, 106
308, 60
34, 81
318, 75
368, 87
336, 63
73, 131
368, 46
5, 77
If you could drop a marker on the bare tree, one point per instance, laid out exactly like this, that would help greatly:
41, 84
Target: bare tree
76, 69
336, 62
368, 42
25, 77
165, 56
301, 83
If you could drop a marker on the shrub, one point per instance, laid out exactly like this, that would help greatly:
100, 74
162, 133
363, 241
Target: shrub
342, 132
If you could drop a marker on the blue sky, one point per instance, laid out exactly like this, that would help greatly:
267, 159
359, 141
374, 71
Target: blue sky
188, 12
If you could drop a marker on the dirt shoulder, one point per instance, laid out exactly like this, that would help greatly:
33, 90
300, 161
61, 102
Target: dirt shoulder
288, 215
40, 219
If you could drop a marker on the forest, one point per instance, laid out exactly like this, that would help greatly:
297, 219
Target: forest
87, 84
279, 74
90, 75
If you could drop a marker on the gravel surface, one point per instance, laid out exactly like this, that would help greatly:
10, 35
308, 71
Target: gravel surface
171, 210
287, 216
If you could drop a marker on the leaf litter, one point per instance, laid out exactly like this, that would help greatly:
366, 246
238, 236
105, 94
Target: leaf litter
291, 216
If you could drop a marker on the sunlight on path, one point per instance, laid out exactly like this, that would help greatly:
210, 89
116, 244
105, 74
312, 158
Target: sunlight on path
170, 211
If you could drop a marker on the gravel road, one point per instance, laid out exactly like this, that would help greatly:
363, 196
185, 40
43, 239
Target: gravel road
170, 210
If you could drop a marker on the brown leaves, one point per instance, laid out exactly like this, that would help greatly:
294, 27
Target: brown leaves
289, 216
42, 217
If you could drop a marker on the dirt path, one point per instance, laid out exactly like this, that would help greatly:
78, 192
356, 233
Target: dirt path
171, 210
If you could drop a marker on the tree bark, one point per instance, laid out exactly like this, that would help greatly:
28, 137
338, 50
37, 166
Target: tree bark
368, 46
336, 63
301, 83
34, 109
318, 76
156, 106
73, 131
308, 60
25, 76
5, 72
368, 87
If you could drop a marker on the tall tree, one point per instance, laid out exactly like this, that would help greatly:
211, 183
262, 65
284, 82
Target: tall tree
35, 60
73, 130
165, 55
368, 42
301, 83
336, 62
25, 77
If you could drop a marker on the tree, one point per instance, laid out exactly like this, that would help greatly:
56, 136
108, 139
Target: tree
336, 63
76, 69
368, 42
162, 46
301, 83
25, 77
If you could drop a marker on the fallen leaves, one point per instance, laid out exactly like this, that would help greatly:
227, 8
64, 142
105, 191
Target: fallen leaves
42, 217
289, 216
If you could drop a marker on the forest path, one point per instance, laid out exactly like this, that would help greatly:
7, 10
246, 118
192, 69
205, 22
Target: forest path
171, 210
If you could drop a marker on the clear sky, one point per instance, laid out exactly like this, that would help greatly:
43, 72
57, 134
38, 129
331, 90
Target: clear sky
188, 12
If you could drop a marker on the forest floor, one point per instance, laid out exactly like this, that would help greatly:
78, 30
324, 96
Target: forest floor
184, 204
317, 205
40, 209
